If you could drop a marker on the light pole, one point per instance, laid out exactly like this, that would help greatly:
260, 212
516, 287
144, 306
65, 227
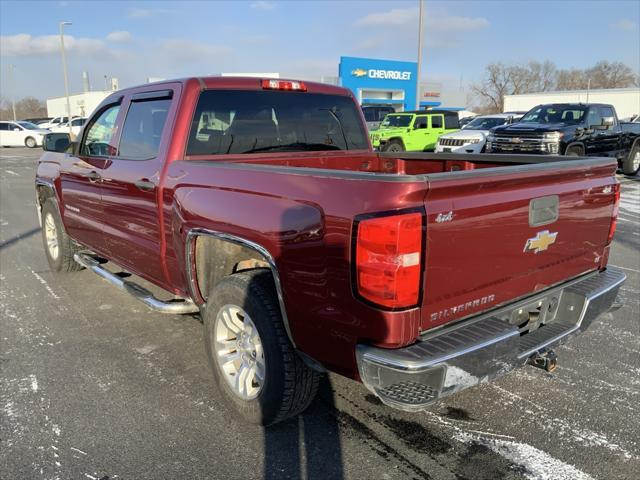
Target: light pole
419, 55
13, 94
64, 70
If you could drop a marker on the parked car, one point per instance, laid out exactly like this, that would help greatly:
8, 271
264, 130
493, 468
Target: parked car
373, 115
473, 136
416, 131
574, 129
76, 126
55, 122
259, 204
21, 134
37, 120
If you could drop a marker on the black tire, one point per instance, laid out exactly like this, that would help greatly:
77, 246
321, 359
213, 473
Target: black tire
575, 151
394, 146
289, 385
631, 164
66, 248
30, 142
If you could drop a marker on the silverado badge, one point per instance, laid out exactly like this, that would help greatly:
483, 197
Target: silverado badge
540, 242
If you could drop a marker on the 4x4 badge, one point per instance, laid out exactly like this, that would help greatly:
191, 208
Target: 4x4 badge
540, 242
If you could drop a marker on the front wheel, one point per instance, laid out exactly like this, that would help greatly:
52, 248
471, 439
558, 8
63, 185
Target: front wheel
257, 372
393, 146
58, 246
574, 152
30, 142
631, 164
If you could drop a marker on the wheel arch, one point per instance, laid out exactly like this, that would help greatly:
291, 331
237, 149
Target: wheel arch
212, 256
574, 145
44, 191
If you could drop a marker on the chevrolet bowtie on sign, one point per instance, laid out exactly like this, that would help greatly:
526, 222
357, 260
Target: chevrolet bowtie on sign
358, 72
540, 242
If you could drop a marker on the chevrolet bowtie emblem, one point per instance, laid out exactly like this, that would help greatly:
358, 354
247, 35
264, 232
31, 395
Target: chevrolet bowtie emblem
359, 72
540, 242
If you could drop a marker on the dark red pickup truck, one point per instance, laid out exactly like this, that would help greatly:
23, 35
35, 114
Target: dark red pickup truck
260, 205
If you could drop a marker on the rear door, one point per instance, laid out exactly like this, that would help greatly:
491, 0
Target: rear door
494, 237
131, 182
433, 133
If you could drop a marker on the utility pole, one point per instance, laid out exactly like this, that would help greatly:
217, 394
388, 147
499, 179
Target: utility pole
64, 71
421, 2
13, 95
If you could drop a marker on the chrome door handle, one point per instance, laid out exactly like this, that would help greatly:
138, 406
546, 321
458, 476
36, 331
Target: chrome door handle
93, 176
145, 185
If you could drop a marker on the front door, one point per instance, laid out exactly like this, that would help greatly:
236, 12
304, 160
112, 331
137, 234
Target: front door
131, 183
81, 179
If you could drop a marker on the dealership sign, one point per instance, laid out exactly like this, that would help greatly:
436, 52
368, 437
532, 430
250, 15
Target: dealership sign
381, 74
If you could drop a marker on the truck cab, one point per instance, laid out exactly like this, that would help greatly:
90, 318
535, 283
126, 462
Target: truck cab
416, 131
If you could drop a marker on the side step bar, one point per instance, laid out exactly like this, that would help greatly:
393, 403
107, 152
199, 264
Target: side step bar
145, 296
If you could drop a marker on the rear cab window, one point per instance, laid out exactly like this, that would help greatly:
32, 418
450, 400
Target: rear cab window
248, 121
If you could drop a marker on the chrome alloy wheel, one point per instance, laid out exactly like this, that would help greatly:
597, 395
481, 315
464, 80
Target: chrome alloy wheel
238, 351
51, 235
636, 161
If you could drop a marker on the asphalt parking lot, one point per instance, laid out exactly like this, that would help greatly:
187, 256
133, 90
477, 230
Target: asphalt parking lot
94, 385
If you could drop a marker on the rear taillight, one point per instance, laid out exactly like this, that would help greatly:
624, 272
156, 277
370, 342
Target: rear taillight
388, 259
271, 84
614, 213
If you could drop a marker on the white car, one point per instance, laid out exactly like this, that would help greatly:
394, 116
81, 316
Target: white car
54, 122
76, 126
473, 136
21, 134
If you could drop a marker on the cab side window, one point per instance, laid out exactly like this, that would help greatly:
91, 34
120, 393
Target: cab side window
421, 122
593, 118
142, 130
436, 121
99, 133
4, 126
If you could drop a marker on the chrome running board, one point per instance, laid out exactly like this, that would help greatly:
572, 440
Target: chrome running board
175, 307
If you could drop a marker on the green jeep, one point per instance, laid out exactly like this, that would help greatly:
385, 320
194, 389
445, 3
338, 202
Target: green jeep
413, 131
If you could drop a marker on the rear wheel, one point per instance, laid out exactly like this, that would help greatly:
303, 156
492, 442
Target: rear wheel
58, 246
575, 151
30, 142
631, 164
258, 374
394, 146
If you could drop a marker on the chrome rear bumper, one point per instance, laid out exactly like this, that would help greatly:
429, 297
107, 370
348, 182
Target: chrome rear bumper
487, 346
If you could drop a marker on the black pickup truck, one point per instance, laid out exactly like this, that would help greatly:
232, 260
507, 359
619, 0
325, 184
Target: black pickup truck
577, 129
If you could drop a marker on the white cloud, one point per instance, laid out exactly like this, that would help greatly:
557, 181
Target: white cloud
187, 50
625, 24
137, 13
396, 16
24, 44
263, 5
120, 36
434, 21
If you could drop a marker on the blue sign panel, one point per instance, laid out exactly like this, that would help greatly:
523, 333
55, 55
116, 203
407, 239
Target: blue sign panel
375, 81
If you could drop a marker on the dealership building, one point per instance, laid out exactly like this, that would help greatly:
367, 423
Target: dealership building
393, 83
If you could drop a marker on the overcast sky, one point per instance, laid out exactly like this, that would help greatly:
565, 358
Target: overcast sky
136, 40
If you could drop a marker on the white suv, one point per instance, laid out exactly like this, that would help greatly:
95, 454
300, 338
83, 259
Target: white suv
473, 136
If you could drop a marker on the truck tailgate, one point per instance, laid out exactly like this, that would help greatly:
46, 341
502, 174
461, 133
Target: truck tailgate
493, 235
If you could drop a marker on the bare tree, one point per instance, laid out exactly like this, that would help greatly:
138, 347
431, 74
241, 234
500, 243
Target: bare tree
501, 80
30, 107
611, 75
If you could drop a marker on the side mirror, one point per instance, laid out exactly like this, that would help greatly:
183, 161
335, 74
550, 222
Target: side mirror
56, 142
16, 129
607, 122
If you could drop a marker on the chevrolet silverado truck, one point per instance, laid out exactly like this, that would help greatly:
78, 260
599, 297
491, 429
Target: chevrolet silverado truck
574, 129
259, 205
416, 131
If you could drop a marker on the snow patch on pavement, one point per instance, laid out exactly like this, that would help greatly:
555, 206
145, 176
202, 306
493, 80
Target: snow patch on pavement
538, 464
